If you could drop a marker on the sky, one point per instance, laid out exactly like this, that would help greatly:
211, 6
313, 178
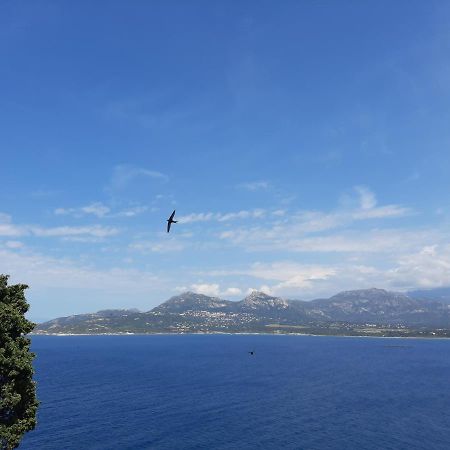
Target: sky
305, 146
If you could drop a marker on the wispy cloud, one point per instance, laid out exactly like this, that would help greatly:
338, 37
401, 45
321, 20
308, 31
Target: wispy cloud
42, 271
382, 212
369, 209
254, 186
213, 290
427, 266
206, 289
44, 193
132, 212
291, 233
343, 252
197, 217
97, 209
124, 174
14, 244
161, 246
414, 176
329, 157
100, 210
222, 217
156, 111
297, 280
367, 197
8, 228
291, 275
93, 230
232, 291
255, 214
286, 238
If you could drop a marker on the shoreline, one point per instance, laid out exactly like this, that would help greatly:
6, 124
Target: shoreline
246, 334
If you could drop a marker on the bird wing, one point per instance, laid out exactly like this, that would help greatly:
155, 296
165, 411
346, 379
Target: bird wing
171, 217
168, 225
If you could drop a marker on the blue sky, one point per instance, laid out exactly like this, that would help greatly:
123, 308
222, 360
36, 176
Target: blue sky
305, 146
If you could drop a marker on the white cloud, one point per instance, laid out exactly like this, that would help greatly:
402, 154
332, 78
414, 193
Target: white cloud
206, 289
132, 212
291, 274
372, 241
255, 186
97, 209
285, 238
100, 210
291, 233
346, 255
428, 267
368, 208
382, 212
281, 277
406, 268
44, 193
64, 231
162, 246
367, 197
63, 211
214, 290
255, 214
7, 228
305, 221
14, 244
309, 282
84, 239
43, 272
123, 174
232, 291
222, 217
196, 217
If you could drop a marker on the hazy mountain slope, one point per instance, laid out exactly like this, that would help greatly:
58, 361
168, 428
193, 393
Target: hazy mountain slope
438, 294
381, 306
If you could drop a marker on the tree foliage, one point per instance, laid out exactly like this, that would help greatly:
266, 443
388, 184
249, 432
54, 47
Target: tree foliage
18, 403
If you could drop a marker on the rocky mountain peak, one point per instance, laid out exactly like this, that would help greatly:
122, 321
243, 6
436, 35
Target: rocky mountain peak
259, 299
257, 295
191, 300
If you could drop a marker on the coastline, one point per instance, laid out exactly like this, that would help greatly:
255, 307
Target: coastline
240, 333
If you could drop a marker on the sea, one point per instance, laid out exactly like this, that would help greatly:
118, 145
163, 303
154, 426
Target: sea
209, 392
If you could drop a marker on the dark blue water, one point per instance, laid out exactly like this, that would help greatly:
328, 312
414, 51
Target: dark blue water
207, 392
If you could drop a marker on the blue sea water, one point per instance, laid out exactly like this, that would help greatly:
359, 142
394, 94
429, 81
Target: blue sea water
208, 392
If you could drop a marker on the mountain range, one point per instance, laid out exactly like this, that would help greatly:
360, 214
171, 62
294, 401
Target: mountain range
348, 312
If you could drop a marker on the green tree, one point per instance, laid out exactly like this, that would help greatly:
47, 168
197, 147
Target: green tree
18, 403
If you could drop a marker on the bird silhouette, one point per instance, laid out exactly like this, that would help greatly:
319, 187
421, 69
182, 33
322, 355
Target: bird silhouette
252, 352
170, 221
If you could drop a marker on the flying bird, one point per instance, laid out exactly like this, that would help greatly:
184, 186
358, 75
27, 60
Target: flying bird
170, 221
251, 353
